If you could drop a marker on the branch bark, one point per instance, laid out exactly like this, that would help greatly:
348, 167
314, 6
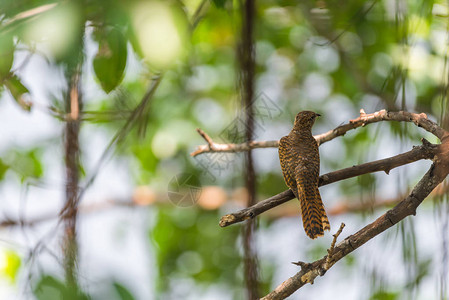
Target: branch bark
425, 151
246, 55
419, 120
72, 162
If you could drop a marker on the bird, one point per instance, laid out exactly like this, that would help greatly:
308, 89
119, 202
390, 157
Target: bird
300, 164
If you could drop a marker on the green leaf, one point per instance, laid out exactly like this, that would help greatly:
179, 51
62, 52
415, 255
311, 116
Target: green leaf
110, 61
3, 168
12, 265
182, 238
26, 163
18, 90
50, 288
219, 3
383, 295
123, 292
6, 54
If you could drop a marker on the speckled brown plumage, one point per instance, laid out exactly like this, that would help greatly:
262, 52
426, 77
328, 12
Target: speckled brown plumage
300, 163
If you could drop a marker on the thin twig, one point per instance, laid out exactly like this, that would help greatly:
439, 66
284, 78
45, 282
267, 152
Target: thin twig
362, 12
217, 147
419, 120
197, 16
27, 14
330, 251
209, 141
123, 132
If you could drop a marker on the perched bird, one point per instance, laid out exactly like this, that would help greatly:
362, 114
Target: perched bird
300, 163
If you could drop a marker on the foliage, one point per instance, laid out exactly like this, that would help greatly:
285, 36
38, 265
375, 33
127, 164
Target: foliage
50, 288
189, 245
317, 55
12, 265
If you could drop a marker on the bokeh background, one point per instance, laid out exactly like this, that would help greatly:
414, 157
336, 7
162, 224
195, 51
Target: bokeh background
141, 235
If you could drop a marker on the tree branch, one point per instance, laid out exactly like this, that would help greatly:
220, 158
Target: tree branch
73, 106
419, 120
436, 174
425, 151
217, 147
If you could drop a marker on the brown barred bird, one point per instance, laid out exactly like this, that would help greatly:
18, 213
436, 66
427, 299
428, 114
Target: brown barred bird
300, 163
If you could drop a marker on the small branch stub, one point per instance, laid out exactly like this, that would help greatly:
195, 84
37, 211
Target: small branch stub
330, 251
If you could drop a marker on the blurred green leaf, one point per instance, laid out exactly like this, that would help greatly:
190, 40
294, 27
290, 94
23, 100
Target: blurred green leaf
26, 163
350, 260
123, 292
110, 61
3, 168
189, 244
17, 90
219, 3
270, 183
422, 270
382, 295
6, 54
50, 288
316, 251
12, 265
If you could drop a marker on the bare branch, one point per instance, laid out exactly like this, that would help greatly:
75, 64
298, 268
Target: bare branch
426, 151
419, 120
27, 14
436, 174
73, 105
51, 216
347, 205
217, 147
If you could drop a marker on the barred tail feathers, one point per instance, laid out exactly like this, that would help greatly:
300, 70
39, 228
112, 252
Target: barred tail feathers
314, 216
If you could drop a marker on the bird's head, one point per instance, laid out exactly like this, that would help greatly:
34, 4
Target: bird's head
305, 120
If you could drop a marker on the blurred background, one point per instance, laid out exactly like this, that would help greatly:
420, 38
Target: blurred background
132, 80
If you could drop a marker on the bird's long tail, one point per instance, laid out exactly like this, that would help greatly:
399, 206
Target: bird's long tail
314, 216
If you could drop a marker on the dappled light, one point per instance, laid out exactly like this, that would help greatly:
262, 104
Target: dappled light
161, 32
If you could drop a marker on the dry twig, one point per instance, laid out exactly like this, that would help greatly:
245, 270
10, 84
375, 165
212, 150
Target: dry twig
364, 119
330, 251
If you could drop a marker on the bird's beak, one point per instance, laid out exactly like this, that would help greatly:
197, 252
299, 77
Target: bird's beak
318, 115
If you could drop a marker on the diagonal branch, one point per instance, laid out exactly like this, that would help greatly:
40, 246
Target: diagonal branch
436, 174
425, 151
419, 120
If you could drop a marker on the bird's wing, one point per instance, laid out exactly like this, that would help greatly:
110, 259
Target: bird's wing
312, 209
288, 167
